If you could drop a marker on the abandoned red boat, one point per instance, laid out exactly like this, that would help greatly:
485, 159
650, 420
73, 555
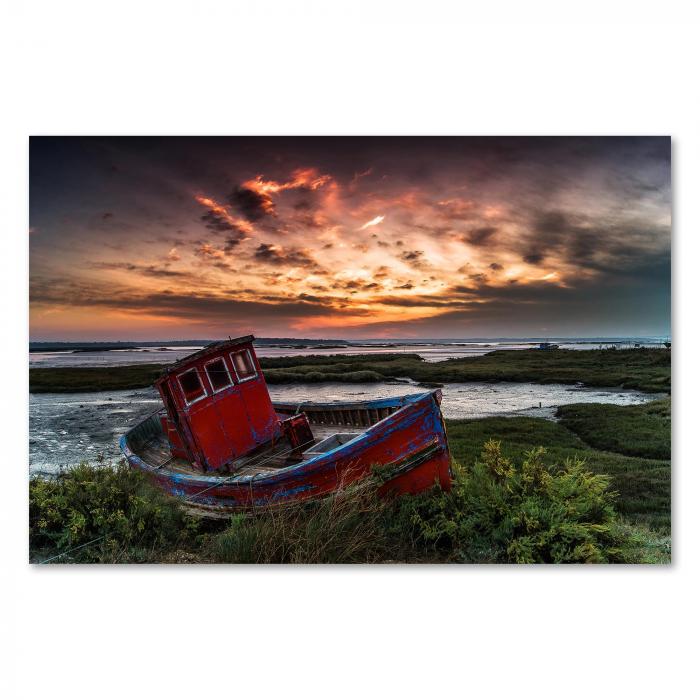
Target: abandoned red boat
220, 443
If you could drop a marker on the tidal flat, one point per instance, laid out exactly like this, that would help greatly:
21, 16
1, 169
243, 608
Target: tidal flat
68, 428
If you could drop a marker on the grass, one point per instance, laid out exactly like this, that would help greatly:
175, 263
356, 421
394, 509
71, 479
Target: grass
643, 369
65, 380
349, 527
637, 431
511, 502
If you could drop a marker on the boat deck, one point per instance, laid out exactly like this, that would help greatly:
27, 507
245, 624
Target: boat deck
156, 452
148, 441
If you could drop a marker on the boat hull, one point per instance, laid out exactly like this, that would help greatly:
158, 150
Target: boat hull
407, 450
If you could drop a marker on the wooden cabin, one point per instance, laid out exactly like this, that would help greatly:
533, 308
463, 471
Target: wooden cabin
218, 408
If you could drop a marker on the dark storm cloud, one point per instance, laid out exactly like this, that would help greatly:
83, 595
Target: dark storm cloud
592, 309
276, 255
414, 302
147, 270
253, 205
413, 257
603, 243
176, 304
480, 236
232, 242
217, 223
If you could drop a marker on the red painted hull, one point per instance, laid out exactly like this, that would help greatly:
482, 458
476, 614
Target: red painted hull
409, 447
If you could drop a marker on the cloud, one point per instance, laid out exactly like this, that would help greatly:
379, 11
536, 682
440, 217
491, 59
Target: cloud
559, 213
253, 199
481, 236
414, 258
277, 255
218, 219
251, 204
206, 251
190, 305
602, 244
147, 270
372, 222
456, 209
231, 243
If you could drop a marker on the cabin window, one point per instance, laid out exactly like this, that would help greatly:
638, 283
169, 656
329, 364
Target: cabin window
218, 374
243, 364
192, 386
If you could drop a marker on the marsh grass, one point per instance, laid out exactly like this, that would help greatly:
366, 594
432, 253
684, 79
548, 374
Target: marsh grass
643, 369
345, 528
65, 380
637, 431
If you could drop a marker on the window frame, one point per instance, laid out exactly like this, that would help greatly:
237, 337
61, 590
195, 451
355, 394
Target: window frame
231, 383
201, 383
252, 364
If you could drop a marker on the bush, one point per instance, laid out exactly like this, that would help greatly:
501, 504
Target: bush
130, 519
500, 512
497, 511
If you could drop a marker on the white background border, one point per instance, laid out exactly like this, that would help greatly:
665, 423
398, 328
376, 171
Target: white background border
348, 68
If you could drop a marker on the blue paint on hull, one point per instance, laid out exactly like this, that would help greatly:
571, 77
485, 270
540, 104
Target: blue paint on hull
407, 431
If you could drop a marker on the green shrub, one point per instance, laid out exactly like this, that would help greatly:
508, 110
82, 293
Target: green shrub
500, 512
495, 512
130, 519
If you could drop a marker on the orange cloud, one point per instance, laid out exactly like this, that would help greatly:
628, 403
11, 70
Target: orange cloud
223, 212
302, 177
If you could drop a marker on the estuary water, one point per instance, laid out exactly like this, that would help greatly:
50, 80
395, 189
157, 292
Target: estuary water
431, 351
65, 429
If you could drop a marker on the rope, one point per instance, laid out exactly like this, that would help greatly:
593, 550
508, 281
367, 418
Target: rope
74, 549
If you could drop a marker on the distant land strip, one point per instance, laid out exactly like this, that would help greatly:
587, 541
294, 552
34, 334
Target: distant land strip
643, 369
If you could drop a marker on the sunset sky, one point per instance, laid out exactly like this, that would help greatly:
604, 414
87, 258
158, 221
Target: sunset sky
174, 238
